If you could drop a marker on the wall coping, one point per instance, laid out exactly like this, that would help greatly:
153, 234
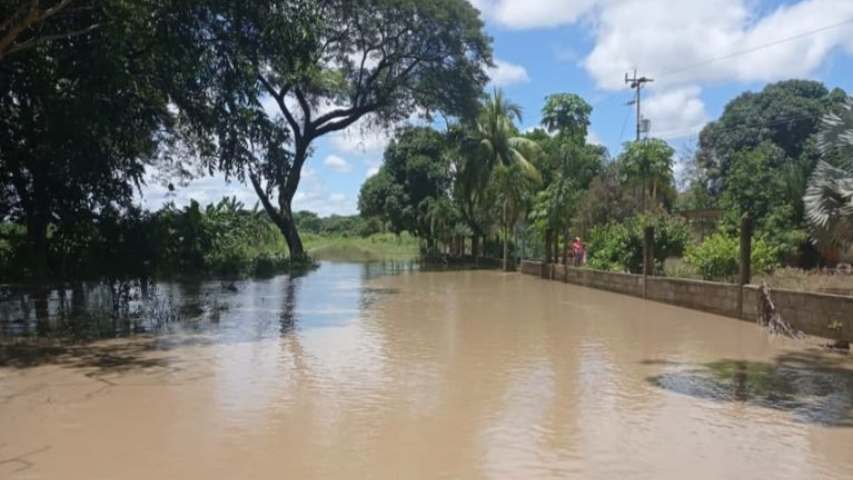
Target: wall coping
741, 313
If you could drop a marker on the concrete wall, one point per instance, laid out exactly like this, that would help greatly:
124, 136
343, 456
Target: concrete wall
714, 297
824, 315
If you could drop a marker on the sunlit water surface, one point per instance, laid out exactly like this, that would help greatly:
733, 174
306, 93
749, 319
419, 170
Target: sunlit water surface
384, 371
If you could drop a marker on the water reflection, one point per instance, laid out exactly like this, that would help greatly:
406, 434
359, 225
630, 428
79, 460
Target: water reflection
89, 311
351, 373
812, 387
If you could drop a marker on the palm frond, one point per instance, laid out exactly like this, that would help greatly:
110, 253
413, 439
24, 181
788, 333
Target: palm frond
836, 131
829, 204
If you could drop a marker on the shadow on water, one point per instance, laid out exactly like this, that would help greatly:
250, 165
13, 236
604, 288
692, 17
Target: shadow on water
811, 386
63, 327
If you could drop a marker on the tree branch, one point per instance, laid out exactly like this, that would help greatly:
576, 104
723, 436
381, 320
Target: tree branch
33, 16
306, 108
265, 201
48, 38
346, 122
279, 100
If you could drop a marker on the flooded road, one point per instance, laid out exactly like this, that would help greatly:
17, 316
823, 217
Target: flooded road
361, 371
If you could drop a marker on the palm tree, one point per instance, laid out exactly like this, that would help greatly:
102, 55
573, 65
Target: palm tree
513, 189
648, 162
829, 197
442, 216
495, 142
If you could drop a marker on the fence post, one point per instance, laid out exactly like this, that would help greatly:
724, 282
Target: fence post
745, 273
648, 255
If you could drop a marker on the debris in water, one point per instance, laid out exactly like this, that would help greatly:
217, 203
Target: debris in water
769, 317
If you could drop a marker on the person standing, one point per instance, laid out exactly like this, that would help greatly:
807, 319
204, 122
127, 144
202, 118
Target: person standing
578, 252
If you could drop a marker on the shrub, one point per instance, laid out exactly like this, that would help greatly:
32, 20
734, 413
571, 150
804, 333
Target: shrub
268, 264
619, 246
717, 258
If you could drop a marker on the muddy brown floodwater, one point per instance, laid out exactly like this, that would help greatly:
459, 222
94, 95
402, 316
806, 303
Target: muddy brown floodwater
349, 373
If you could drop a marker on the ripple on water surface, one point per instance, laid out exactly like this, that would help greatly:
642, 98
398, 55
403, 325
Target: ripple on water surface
383, 371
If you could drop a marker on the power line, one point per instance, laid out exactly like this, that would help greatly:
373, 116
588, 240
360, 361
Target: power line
758, 48
624, 124
717, 59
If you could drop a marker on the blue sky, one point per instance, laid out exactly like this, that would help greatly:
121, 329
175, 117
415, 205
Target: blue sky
586, 47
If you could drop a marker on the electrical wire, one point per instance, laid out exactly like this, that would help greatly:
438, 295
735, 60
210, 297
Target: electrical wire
757, 48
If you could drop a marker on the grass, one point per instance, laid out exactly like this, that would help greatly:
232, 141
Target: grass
380, 246
786, 278
808, 280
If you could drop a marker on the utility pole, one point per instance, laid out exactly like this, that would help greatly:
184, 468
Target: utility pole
637, 84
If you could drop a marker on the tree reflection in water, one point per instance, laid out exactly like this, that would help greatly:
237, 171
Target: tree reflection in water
813, 387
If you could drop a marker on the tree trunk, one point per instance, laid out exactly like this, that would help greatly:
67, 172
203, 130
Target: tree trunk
506, 239
475, 246
291, 236
282, 216
556, 244
654, 193
37, 239
506, 249
518, 250
548, 251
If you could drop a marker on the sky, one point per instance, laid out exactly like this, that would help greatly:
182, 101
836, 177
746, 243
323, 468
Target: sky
700, 53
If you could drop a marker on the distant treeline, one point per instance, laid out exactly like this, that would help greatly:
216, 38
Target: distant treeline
337, 225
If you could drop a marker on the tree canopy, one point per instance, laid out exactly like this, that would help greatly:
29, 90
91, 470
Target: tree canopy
415, 171
785, 113
342, 61
81, 116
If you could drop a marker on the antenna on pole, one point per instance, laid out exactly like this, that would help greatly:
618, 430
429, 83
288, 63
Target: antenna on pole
636, 83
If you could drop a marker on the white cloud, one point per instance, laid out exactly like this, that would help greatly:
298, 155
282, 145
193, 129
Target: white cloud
674, 42
337, 164
504, 74
675, 112
204, 190
522, 14
313, 194
372, 170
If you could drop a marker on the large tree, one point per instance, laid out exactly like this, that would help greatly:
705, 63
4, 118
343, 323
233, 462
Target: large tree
415, 173
81, 116
492, 141
568, 166
22, 23
326, 64
786, 114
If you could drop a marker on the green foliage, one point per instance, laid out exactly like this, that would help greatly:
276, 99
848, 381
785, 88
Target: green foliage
379, 246
619, 246
605, 201
648, 163
566, 113
337, 225
785, 114
81, 116
754, 186
718, 257
828, 200
415, 172
491, 142
395, 57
